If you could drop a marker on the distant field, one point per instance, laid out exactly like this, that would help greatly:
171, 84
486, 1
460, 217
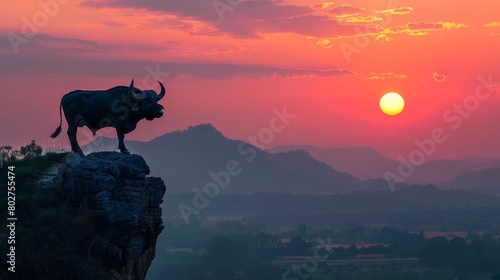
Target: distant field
360, 260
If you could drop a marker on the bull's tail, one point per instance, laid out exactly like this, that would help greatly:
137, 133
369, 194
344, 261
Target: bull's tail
58, 129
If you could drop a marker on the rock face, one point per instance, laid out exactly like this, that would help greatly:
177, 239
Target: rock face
117, 210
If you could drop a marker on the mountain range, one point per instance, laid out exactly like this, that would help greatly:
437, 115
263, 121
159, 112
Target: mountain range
365, 163
487, 180
201, 156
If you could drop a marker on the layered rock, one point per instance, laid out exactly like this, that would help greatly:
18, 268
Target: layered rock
117, 210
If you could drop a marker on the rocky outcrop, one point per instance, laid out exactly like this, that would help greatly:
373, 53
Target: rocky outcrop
117, 210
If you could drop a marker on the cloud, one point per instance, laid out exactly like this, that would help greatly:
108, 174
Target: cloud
252, 19
371, 22
397, 11
248, 19
422, 28
417, 32
345, 10
43, 44
351, 14
438, 77
318, 26
383, 34
426, 26
385, 76
452, 25
360, 19
325, 43
423, 25
201, 10
495, 24
382, 37
64, 44
50, 60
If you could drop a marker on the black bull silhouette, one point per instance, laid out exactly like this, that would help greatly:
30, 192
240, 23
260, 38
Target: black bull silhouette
120, 107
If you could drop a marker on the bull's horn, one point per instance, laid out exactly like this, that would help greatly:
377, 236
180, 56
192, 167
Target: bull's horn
162, 93
138, 96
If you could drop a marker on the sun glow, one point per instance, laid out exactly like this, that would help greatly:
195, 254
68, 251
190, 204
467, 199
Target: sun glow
392, 103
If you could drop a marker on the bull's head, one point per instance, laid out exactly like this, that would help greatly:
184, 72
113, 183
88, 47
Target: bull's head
147, 101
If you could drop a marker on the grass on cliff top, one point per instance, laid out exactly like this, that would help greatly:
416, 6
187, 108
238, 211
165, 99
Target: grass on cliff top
44, 236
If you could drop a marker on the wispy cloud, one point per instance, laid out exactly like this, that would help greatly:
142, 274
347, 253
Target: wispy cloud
344, 9
44, 44
438, 77
422, 28
386, 34
360, 19
50, 60
495, 24
249, 19
397, 11
253, 19
325, 43
385, 76
352, 14
383, 38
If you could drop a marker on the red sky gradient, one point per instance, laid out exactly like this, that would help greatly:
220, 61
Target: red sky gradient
327, 62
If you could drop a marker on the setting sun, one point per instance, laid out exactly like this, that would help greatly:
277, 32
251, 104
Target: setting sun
392, 103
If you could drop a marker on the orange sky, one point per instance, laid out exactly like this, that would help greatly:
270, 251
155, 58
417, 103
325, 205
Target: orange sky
327, 62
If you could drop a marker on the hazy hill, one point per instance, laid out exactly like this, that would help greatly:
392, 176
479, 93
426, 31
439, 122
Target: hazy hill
481, 159
437, 171
185, 158
364, 162
487, 181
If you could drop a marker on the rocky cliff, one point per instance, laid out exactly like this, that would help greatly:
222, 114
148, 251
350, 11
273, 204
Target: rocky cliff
116, 209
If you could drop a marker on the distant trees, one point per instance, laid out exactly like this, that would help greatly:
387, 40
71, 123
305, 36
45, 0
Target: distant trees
457, 253
31, 150
298, 247
8, 155
246, 255
225, 257
302, 229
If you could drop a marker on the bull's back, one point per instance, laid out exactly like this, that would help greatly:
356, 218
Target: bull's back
91, 106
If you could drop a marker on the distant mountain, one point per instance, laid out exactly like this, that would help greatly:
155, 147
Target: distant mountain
481, 159
437, 171
367, 163
361, 162
487, 181
201, 155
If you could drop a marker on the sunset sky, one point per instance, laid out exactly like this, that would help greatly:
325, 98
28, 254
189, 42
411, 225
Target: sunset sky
230, 63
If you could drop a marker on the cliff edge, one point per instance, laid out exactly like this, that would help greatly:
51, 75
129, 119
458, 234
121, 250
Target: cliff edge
116, 209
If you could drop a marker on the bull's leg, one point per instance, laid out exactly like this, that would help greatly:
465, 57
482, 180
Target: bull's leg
121, 145
72, 139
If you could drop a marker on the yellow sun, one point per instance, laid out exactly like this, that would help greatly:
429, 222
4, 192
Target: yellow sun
392, 103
